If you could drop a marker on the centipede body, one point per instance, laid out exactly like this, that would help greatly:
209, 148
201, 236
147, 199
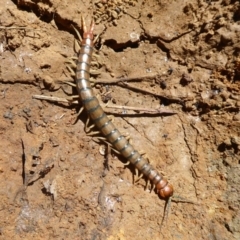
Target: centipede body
104, 124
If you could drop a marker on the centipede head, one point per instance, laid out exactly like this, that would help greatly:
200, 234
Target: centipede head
164, 189
87, 33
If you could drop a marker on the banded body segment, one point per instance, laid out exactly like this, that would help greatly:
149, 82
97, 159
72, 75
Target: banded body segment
105, 125
83, 67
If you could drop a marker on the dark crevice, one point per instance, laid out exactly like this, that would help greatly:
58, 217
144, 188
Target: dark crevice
120, 47
236, 15
46, 15
223, 147
43, 14
65, 25
45, 192
23, 163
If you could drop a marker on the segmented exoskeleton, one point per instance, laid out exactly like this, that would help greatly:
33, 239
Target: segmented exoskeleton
104, 124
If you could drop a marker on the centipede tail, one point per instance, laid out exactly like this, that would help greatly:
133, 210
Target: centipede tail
104, 124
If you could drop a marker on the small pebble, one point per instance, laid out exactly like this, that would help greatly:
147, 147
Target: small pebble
236, 117
114, 14
235, 140
227, 142
8, 115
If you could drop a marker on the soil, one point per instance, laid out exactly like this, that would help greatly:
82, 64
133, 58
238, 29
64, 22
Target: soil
58, 182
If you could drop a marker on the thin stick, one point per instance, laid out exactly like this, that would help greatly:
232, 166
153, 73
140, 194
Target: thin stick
178, 199
123, 83
119, 80
127, 85
25, 28
54, 99
137, 109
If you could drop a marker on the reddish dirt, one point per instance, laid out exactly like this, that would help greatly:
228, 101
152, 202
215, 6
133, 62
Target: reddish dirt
186, 54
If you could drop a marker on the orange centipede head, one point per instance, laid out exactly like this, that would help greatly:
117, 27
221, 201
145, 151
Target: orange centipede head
164, 189
166, 192
87, 33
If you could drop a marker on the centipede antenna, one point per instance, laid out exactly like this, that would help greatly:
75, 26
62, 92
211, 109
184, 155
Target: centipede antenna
92, 25
83, 24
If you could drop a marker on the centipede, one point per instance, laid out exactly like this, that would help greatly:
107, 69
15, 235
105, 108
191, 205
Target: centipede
104, 124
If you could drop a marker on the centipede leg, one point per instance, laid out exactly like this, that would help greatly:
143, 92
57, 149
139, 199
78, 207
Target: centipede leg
77, 43
103, 139
80, 111
78, 114
95, 72
166, 211
111, 118
88, 128
126, 164
110, 146
96, 56
138, 176
146, 187
74, 58
76, 46
143, 153
72, 85
98, 139
78, 34
72, 73
72, 63
151, 187
96, 38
